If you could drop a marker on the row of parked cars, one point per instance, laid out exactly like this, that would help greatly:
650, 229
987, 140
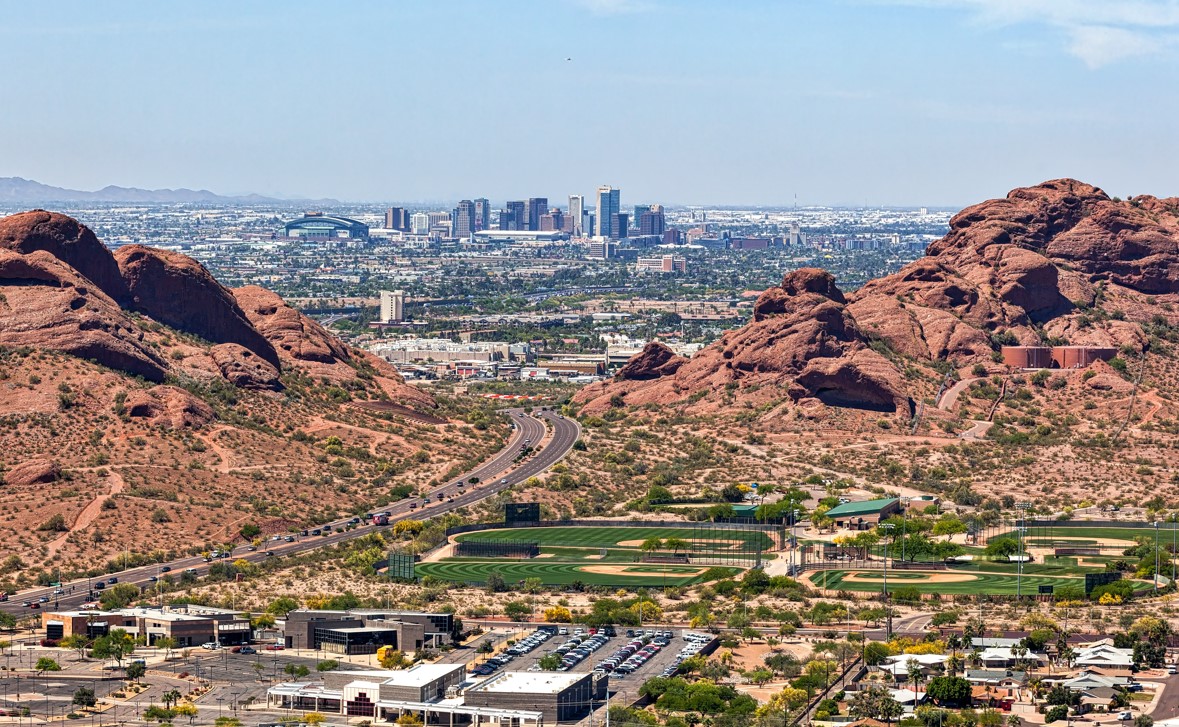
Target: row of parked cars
636, 652
578, 648
520, 648
696, 643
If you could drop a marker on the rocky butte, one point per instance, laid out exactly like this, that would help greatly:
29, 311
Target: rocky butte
1060, 262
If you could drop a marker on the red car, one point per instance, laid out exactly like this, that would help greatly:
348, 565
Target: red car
274, 647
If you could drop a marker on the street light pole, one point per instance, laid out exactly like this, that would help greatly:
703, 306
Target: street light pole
888, 527
1022, 521
1156, 557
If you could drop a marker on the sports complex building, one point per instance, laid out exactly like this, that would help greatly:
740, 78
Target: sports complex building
317, 226
365, 631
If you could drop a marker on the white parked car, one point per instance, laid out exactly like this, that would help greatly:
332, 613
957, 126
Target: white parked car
211, 645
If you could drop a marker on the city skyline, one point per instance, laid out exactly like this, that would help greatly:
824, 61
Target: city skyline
864, 102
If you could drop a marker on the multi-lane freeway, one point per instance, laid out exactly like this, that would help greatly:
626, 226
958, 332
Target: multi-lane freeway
496, 474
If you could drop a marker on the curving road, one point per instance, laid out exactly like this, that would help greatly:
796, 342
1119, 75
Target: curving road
493, 476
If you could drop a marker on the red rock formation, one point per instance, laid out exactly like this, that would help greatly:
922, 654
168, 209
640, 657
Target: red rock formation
293, 335
802, 342
169, 407
32, 472
242, 368
654, 361
177, 291
69, 241
46, 304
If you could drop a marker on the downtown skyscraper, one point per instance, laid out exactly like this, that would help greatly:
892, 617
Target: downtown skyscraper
609, 204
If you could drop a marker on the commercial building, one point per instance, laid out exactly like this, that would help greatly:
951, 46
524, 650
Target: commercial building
392, 306
462, 220
1056, 357
419, 223
652, 221
602, 249
575, 224
609, 202
482, 214
397, 218
364, 631
185, 627
511, 217
559, 696
663, 264
320, 227
430, 692
516, 235
619, 226
537, 207
863, 514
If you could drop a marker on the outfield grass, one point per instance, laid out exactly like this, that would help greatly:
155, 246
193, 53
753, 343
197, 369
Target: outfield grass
553, 573
983, 583
610, 537
1081, 535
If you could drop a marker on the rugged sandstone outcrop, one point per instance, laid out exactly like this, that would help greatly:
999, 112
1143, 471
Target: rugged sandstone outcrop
67, 240
176, 290
654, 361
802, 342
292, 334
169, 407
44, 303
33, 472
243, 368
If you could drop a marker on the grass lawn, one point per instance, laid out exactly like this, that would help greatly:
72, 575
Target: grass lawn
632, 575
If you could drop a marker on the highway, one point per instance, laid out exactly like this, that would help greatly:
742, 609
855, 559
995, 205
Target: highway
493, 476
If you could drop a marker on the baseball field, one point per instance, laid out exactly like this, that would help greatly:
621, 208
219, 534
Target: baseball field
947, 582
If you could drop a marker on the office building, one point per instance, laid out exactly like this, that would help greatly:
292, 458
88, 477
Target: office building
363, 631
553, 221
318, 226
419, 223
537, 207
797, 236
575, 224
602, 249
662, 264
608, 206
672, 236
397, 218
619, 226
560, 697
511, 217
188, 625
651, 221
392, 306
482, 214
462, 219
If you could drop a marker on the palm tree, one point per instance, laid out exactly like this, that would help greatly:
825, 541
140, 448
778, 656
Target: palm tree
650, 545
676, 544
170, 697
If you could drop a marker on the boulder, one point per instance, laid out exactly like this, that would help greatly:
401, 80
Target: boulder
654, 361
243, 368
169, 407
292, 334
177, 291
33, 472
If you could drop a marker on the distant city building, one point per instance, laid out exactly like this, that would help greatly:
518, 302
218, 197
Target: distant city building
392, 306
462, 220
419, 223
397, 218
608, 206
602, 249
511, 217
537, 208
438, 218
482, 214
589, 224
672, 237
651, 221
751, 243
619, 228
575, 223
318, 226
554, 220
662, 264
637, 216
797, 236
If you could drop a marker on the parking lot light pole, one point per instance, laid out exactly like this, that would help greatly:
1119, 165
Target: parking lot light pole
1156, 558
1021, 523
888, 527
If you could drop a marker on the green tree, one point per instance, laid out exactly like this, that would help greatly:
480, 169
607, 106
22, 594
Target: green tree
120, 595
948, 690
136, 670
156, 713
84, 697
550, 662
187, 709
167, 643
517, 610
78, 642
45, 664
170, 697
327, 665
116, 645
650, 545
227, 722
875, 702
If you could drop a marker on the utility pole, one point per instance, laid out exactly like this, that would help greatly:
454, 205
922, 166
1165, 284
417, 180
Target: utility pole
1021, 522
887, 611
1156, 558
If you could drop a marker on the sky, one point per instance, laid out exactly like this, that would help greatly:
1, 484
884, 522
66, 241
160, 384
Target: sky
742, 102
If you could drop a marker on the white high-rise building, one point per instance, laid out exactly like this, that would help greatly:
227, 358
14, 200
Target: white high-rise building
576, 212
392, 306
419, 222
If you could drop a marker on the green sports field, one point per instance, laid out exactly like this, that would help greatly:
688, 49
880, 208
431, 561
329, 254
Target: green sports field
951, 582
557, 573
1080, 536
627, 537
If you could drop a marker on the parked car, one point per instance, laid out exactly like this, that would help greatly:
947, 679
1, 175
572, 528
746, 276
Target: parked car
211, 645
248, 650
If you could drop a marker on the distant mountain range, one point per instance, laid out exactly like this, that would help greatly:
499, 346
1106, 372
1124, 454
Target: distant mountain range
16, 189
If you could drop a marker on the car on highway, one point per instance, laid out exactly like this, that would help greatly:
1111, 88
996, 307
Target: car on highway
43, 599
165, 568
152, 579
269, 553
503, 481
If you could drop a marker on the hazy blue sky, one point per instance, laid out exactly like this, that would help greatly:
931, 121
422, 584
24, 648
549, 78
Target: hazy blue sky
938, 102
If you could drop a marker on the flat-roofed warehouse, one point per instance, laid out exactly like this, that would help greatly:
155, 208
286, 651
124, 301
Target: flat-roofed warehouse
863, 514
559, 696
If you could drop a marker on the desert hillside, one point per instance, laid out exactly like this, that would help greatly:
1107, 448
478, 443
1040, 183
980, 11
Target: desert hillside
145, 407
